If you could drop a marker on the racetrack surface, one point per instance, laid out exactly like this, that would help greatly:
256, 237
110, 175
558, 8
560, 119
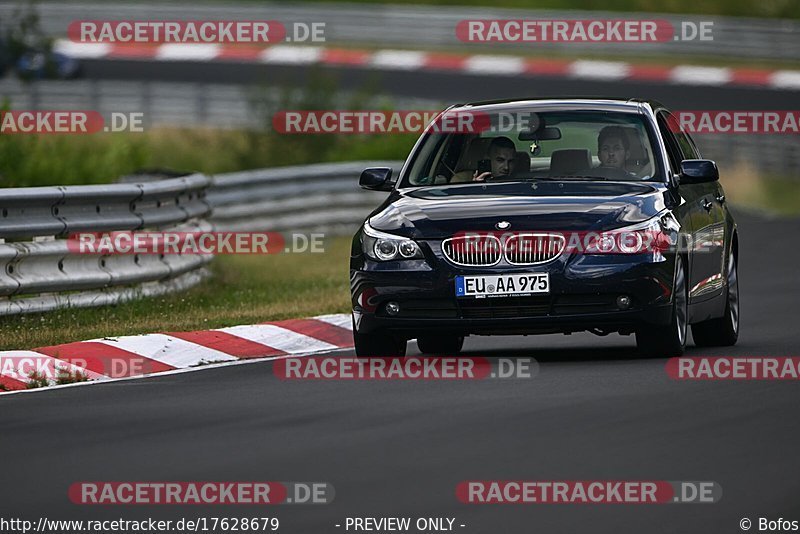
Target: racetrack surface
399, 448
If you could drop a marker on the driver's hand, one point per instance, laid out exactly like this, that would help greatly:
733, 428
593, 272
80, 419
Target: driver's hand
481, 177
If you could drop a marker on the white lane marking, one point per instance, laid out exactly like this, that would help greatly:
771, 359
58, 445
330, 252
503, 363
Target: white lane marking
785, 79
167, 349
19, 364
81, 50
188, 51
293, 55
695, 75
599, 70
398, 59
341, 320
484, 64
278, 338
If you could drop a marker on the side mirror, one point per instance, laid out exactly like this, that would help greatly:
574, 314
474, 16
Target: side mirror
698, 171
376, 179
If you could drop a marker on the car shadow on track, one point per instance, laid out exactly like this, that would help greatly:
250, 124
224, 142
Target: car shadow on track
619, 349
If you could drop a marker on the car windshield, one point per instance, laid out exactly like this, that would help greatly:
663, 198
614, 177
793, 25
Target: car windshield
521, 145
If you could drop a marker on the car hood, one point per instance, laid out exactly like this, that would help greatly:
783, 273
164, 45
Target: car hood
437, 212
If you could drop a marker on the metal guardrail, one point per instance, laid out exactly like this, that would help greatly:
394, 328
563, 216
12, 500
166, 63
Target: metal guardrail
308, 198
769, 154
38, 272
434, 26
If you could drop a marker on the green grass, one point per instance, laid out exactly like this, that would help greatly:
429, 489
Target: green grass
780, 195
36, 160
101, 158
748, 187
245, 289
37, 380
66, 376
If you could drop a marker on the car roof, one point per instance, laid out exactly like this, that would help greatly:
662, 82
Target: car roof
629, 105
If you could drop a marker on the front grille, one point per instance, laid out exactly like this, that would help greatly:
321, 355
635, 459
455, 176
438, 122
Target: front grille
533, 248
473, 250
517, 249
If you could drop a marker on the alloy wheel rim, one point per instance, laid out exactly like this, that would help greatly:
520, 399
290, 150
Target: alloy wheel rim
733, 293
680, 302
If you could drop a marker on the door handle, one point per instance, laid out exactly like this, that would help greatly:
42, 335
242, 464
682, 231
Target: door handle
707, 204
721, 198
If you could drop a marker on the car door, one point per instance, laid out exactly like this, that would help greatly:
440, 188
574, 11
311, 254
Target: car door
707, 223
687, 211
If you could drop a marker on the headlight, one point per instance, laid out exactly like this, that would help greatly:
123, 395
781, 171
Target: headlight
651, 236
387, 247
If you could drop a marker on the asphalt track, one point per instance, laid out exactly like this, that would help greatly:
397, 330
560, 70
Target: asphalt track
399, 448
447, 87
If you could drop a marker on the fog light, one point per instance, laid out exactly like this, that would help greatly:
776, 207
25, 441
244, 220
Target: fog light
392, 308
623, 302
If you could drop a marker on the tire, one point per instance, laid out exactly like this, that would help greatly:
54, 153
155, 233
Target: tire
378, 344
669, 340
445, 345
724, 331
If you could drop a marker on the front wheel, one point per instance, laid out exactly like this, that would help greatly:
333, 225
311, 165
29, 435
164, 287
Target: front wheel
670, 340
722, 332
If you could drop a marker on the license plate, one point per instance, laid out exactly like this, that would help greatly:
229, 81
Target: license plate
502, 285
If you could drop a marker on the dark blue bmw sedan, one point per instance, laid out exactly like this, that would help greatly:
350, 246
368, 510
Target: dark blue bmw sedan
547, 216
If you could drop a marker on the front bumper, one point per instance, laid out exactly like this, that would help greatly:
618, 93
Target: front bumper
583, 293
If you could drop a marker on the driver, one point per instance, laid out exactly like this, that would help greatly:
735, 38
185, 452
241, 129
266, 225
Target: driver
613, 148
501, 156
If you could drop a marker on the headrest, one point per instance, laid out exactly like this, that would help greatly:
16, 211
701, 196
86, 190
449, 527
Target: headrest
570, 160
522, 162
